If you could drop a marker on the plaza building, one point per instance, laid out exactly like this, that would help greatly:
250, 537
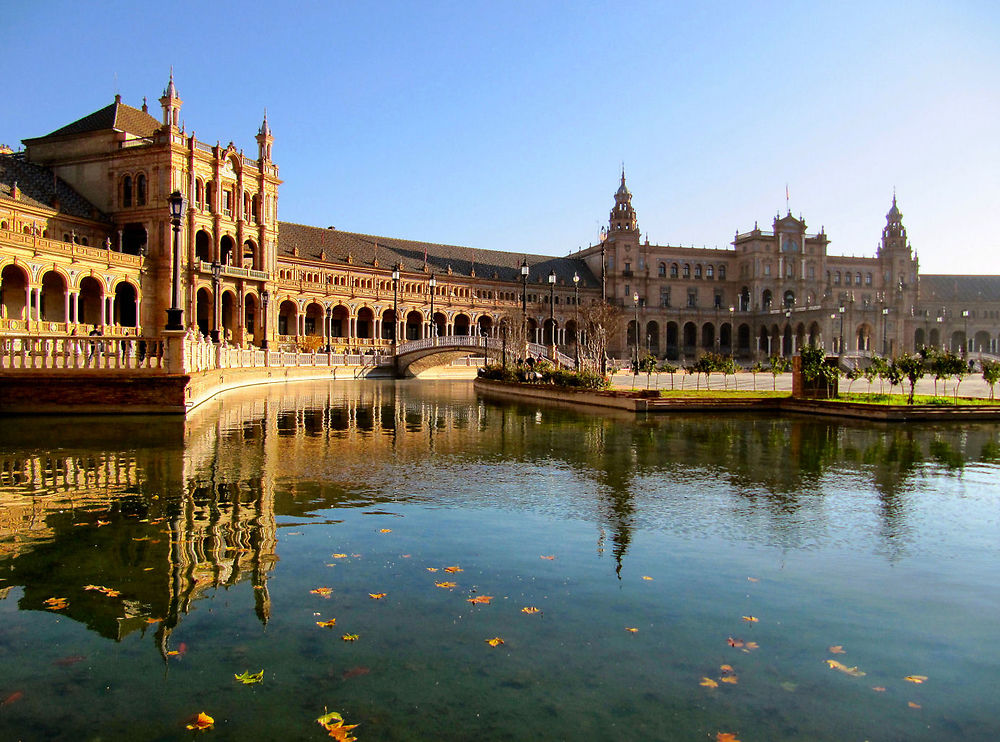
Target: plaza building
86, 239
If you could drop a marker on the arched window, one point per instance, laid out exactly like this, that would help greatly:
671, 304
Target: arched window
709, 272
868, 279
663, 270
673, 270
697, 271
687, 270
836, 278
857, 279
209, 193
127, 191
722, 273
199, 193
140, 189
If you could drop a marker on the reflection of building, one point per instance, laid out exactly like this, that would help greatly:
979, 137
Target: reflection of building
85, 239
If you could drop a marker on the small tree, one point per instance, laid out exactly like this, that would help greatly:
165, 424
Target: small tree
852, 375
668, 368
647, 365
912, 368
991, 374
779, 365
894, 375
755, 369
878, 367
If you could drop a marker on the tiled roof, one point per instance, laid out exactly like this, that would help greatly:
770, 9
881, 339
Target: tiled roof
39, 186
959, 288
115, 116
334, 246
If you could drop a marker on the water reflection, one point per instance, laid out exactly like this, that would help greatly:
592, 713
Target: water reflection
170, 511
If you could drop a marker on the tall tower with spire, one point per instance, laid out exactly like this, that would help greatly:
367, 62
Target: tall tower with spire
899, 264
171, 104
264, 141
623, 215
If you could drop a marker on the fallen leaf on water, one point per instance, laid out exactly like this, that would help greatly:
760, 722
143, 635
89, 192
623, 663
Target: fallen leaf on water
12, 698
751, 619
376, 596
726, 668
854, 672
356, 556
480, 599
915, 678
153, 620
248, 678
324, 591
141, 538
731, 679
726, 737
550, 558
446, 585
878, 688
708, 683
354, 672
327, 624
530, 609
172, 653
646, 577
334, 724
453, 569
753, 579
68, 661
837, 649
496, 641
734, 642
913, 705
350, 637
431, 569
201, 722
56, 604
385, 530
405, 556
751, 645
148, 569
103, 523
631, 630
105, 590
340, 556
789, 686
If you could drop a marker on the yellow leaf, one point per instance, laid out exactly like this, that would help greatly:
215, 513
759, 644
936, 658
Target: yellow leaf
751, 619
753, 579
750, 645
726, 668
878, 688
496, 641
327, 624
201, 722
453, 569
376, 596
646, 577
350, 637
530, 609
837, 649
385, 530
248, 678
708, 683
485, 599
915, 678
854, 672
324, 591
550, 558
432, 569
631, 630
913, 705
446, 585
731, 679
726, 737
340, 556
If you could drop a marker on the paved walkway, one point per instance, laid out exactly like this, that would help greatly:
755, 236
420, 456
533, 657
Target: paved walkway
971, 386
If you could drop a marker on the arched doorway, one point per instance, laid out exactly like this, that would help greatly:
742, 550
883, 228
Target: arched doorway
461, 324
439, 324
250, 259
250, 315
229, 316
203, 310
690, 338
815, 336
550, 331
365, 323
673, 350
743, 339
981, 343
708, 336
864, 337
388, 324
288, 318
126, 305
90, 301
227, 249
53, 307
485, 323
203, 246
13, 292
653, 337
919, 340
414, 324
314, 318
726, 338
532, 325
339, 321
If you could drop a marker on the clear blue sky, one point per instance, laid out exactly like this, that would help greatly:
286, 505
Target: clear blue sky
503, 125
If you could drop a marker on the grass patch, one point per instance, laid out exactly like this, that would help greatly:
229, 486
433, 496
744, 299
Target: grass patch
919, 399
718, 393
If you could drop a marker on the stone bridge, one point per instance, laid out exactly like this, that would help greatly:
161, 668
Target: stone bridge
415, 356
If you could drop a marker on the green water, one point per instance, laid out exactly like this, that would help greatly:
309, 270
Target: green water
881, 540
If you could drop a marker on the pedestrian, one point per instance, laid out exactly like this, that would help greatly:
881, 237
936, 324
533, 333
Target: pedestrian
95, 345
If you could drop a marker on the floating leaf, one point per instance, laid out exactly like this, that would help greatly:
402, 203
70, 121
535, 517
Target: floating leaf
530, 609
248, 678
731, 679
837, 649
751, 619
350, 637
646, 577
854, 672
201, 722
385, 530
12, 698
453, 569
56, 604
446, 585
735, 642
550, 558
334, 724
753, 579
329, 718
631, 630
480, 599
726, 737
750, 646
726, 668
878, 688
153, 620
405, 556
105, 590
913, 705
708, 683
431, 569
327, 624
340, 556
376, 596
496, 641
915, 678
789, 686
326, 592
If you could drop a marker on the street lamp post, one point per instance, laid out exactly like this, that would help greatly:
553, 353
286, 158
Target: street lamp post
732, 330
552, 312
939, 319
965, 332
433, 286
395, 308
576, 319
840, 349
216, 308
175, 314
328, 329
788, 321
635, 337
885, 325
524, 303
265, 297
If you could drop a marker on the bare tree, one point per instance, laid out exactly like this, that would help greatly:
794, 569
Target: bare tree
512, 336
599, 322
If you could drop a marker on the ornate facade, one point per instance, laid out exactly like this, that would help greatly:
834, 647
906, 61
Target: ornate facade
86, 239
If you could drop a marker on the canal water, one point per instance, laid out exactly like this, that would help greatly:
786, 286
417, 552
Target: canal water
772, 578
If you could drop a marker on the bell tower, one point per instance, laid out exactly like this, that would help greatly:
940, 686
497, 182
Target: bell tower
894, 233
264, 141
171, 104
623, 217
